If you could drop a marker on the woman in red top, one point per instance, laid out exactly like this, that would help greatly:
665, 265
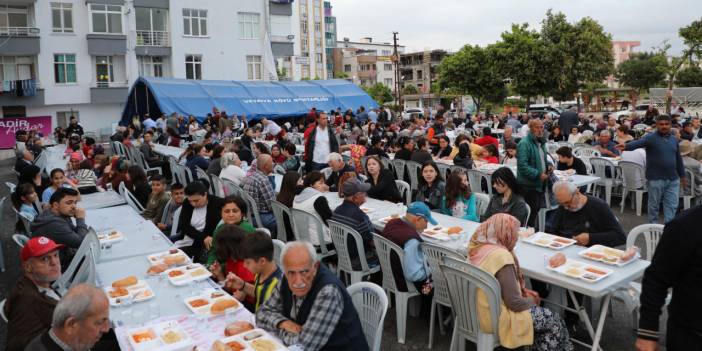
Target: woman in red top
229, 238
490, 154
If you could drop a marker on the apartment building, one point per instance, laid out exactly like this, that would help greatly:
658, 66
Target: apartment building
310, 54
365, 62
79, 57
621, 51
419, 68
330, 37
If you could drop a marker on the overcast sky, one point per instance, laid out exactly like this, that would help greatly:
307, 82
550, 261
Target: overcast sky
450, 24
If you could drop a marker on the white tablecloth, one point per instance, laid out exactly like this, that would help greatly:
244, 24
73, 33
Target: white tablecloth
170, 151
101, 199
54, 158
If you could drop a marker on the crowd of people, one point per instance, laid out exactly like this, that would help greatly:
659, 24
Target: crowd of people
303, 303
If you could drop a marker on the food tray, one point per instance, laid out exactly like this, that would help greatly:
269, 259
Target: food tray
160, 257
190, 273
156, 338
606, 255
387, 219
141, 291
210, 297
581, 270
550, 241
367, 209
250, 341
110, 236
440, 233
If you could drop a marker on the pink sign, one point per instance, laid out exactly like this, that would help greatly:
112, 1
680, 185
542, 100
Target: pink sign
9, 126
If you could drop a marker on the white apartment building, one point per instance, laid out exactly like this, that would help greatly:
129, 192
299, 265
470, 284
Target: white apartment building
310, 55
366, 62
83, 55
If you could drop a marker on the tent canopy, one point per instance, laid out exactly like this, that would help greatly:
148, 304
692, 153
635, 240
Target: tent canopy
254, 99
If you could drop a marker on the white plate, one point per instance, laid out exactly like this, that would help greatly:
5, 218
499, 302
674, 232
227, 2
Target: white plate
158, 257
367, 209
207, 296
141, 291
579, 270
158, 331
110, 236
187, 275
610, 256
387, 219
550, 241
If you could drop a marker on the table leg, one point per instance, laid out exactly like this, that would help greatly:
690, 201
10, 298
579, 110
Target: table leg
600, 323
582, 313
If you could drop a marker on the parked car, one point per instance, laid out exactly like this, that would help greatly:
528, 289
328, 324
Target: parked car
640, 111
541, 113
544, 107
411, 113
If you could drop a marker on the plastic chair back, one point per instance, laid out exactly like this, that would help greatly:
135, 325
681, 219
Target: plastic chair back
130, 198
551, 147
434, 255
586, 152
20, 240
340, 234
253, 216
176, 220
280, 211
633, 175
413, 168
327, 172
481, 203
600, 165
464, 280
11, 186
444, 169
217, 186
229, 187
371, 305
305, 225
652, 235
25, 222
405, 191
384, 248
399, 166
475, 178
2, 310
88, 251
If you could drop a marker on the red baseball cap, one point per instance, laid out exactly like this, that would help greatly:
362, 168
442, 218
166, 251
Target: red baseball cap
38, 246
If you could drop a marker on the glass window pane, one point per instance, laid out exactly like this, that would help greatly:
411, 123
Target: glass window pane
203, 27
195, 28
115, 20
68, 21
188, 71
198, 71
97, 7
143, 18
70, 58
114, 8
186, 26
59, 74
56, 18
58, 58
17, 19
158, 20
99, 23
71, 73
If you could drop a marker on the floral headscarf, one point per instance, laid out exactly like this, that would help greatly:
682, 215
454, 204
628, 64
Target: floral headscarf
499, 231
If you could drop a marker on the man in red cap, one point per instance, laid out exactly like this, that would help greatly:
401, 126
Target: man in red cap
31, 302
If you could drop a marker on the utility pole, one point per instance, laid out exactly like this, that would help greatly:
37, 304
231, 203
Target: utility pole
396, 61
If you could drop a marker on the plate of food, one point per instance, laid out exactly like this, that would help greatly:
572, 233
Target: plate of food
550, 241
128, 289
259, 340
110, 236
580, 270
212, 302
367, 209
172, 257
609, 255
186, 274
165, 336
436, 233
387, 219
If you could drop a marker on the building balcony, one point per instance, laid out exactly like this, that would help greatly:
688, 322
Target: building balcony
10, 98
19, 40
108, 92
283, 45
153, 38
107, 44
19, 31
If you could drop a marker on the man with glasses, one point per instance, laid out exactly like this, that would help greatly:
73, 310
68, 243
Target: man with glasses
310, 309
585, 218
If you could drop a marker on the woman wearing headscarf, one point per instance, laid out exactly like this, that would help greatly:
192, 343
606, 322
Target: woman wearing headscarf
522, 320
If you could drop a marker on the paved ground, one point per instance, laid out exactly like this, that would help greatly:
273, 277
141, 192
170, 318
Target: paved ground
618, 334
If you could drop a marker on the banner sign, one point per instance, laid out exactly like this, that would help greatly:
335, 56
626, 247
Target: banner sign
9, 126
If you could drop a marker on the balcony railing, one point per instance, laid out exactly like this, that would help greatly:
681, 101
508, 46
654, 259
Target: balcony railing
153, 38
107, 84
19, 31
282, 38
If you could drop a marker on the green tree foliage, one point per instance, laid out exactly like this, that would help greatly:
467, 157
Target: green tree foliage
689, 77
642, 71
692, 38
379, 92
473, 71
410, 90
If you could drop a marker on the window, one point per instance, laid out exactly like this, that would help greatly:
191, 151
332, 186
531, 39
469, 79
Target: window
106, 19
193, 67
16, 68
65, 68
319, 58
306, 71
388, 82
347, 68
317, 27
249, 25
419, 74
195, 22
104, 71
13, 18
62, 17
151, 66
303, 26
386, 53
388, 66
253, 67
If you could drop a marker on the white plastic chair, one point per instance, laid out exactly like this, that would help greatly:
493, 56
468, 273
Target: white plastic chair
11, 186
600, 166
141, 161
688, 194
2, 310
252, 214
399, 166
278, 247
385, 248
444, 169
371, 303
26, 223
229, 187
463, 281
20, 240
405, 191
130, 198
327, 171
434, 255
280, 211
303, 223
632, 174
586, 152
630, 294
340, 237
475, 178
88, 251
413, 168
175, 171
481, 203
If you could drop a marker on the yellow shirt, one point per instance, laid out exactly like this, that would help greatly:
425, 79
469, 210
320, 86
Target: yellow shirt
515, 328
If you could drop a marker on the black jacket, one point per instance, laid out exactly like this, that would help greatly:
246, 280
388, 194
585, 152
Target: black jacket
309, 145
595, 218
28, 312
333, 180
385, 189
567, 120
214, 215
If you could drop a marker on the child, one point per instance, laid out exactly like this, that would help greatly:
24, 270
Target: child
510, 154
257, 253
157, 199
23, 199
58, 179
177, 198
458, 200
574, 136
490, 154
86, 178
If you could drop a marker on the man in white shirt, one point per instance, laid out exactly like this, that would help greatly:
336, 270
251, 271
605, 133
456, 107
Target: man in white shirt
272, 130
148, 122
319, 143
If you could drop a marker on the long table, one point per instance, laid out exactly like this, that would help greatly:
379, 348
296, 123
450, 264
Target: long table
170, 151
101, 199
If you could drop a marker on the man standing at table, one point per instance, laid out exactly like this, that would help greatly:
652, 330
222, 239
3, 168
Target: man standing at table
585, 218
665, 170
31, 302
533, 169
56, 223
676, 264
74, 127
271, 130
320, 141
310, 309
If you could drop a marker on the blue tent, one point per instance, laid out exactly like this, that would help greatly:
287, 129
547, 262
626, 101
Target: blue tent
254, 99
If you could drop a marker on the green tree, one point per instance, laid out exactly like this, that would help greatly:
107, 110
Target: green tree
379, 92
689, 77
473, 71
341, 75
692, 38
524, 59
642, 71
409, 90
582, 53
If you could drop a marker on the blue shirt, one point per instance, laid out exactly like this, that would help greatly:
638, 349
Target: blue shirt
29, 212
663, 160
373, 116
415, 268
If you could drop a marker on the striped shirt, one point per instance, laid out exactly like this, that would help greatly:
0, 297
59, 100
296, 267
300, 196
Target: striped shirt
264, 289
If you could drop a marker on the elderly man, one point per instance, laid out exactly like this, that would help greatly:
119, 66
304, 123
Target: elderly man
584, 218
665, 170
405, 233
319, 142
532, 168
605, 145
338, 168
310, 309
259, 187
32, 300
507, 136
350, 213
57, 222
79, 321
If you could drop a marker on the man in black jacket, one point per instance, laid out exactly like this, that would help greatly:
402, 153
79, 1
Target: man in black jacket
74, 127
568, 120
199, 217
677, 264
338, 168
